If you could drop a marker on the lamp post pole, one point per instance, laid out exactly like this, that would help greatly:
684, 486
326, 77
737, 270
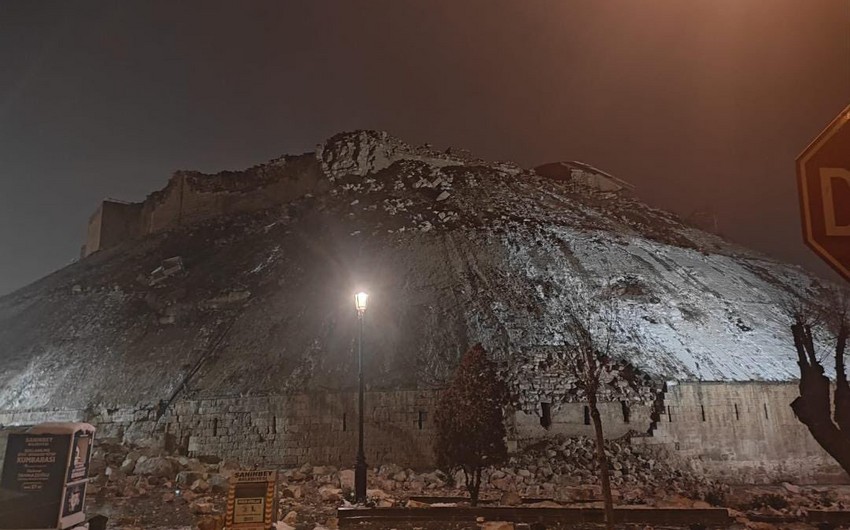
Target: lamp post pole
360, 464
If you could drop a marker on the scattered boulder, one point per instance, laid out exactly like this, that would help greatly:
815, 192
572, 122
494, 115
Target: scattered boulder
435, 479
388, 470
330, 494
158, 466
200, 486
502, 484
323, 470
346, 479
291, 518
215, 522
226, 468
128, 465
377, 494
297, 475
791, 488
219, 483
198, 507
185, 478
510, 498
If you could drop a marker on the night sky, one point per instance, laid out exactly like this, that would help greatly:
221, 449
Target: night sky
700, 104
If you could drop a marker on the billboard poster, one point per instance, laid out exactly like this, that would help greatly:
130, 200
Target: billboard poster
33, 478
75, 494
78, 467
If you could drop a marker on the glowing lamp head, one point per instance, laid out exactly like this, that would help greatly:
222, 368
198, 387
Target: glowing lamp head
360, 302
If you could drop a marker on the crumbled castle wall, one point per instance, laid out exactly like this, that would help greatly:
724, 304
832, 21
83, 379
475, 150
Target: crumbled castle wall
191, 197
365, 152
113, 223
585, 175
573, 419
550, 402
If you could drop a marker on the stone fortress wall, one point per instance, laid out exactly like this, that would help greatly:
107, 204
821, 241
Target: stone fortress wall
734, 431
112, 223
191, 197
746, 430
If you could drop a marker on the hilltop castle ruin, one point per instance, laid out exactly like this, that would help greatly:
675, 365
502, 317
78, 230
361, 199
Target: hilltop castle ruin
244, 348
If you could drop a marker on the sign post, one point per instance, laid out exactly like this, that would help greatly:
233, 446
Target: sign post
823, 179
252, 500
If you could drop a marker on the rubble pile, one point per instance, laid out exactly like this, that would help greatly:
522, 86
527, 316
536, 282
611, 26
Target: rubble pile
135, 487
144, 488
786, 502
640, 474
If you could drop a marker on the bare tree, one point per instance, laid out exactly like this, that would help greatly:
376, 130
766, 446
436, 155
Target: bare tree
590, 331
585, 357
827, 420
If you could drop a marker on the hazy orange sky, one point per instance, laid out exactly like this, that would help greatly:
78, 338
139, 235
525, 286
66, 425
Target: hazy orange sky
700, 104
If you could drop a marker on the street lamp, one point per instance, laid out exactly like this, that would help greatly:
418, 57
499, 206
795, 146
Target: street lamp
360, 464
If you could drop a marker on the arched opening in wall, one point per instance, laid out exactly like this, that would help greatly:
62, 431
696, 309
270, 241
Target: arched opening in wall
274, 424
765, 412
626, 411
586, 415
702, 411
545, 415
669, 415
421, 420
215, 427
737, 416
344, 423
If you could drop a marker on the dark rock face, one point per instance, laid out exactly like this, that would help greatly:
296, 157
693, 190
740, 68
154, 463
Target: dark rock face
453, 251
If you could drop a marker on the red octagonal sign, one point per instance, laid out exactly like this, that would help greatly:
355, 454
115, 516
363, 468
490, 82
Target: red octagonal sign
823, 176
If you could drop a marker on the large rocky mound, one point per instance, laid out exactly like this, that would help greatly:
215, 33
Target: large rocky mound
453, 250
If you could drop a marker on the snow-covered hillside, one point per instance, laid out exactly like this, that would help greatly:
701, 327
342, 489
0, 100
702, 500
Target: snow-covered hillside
453, 249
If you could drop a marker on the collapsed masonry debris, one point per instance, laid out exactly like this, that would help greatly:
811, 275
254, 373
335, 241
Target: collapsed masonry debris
169, 267
143, 488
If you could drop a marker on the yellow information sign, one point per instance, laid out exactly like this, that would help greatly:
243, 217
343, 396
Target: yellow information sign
249, 510
251, 500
